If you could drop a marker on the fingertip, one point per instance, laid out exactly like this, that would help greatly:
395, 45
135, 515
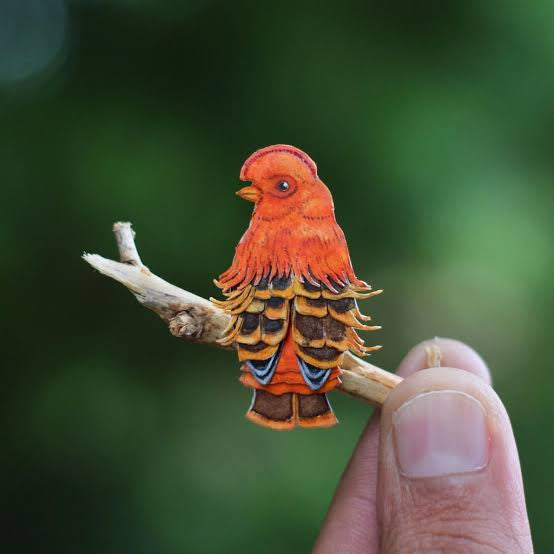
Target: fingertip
450, 352
447, 452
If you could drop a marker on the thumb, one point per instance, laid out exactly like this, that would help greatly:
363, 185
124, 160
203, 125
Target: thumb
449, 474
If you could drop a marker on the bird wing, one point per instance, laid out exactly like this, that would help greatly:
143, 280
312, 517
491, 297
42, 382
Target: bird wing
259, 322
324, 324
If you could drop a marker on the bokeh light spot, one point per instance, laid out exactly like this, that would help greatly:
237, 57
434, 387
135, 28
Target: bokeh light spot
32, 36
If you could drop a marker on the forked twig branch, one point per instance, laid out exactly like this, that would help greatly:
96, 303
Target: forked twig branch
196, 319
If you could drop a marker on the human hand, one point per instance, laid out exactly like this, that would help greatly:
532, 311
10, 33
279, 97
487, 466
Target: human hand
436, 470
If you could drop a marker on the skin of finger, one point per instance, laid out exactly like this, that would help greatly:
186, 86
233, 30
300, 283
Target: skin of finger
476, 512
351, 522
454, 353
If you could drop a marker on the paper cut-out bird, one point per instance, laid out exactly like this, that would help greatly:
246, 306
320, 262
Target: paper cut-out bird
291, 292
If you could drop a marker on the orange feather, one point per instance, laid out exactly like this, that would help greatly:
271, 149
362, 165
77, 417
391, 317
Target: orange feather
294, 231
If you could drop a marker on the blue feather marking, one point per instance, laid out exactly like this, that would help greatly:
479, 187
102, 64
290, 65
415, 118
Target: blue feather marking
315, 377
263, 370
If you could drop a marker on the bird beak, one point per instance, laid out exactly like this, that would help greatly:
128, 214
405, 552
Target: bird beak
250, 193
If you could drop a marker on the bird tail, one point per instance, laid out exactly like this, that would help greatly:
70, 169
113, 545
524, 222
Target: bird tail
289, 410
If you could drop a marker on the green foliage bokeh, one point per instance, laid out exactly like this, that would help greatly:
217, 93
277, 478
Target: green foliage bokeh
433, 127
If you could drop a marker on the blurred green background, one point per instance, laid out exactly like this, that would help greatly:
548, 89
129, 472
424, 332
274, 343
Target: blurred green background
433, 125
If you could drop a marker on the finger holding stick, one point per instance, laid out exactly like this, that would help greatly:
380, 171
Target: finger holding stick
436, 469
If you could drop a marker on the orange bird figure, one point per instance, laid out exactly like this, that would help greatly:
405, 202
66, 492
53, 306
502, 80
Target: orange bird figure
291, 292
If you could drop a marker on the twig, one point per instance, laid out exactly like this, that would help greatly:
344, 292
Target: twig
125, 238
433, 354
196, 319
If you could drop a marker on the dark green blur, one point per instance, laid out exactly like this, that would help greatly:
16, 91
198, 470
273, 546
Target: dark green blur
433, 125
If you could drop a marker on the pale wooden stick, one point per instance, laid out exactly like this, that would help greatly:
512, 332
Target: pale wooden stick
125, 238
196, 319
433, 354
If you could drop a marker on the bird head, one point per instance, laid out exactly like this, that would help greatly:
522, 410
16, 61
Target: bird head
283, 180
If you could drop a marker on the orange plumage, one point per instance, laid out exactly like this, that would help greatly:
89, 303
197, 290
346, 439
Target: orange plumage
291, 291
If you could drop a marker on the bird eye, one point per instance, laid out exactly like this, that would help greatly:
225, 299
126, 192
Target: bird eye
283, 186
